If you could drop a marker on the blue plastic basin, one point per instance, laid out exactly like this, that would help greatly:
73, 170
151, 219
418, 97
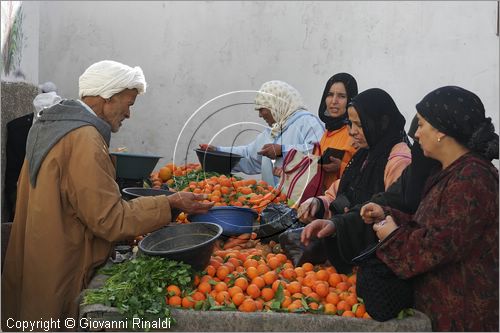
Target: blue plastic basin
233, 220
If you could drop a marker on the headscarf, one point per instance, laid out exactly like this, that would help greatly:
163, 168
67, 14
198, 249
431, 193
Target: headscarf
460, 114
383, 127
351, 88
106, 78
282, 100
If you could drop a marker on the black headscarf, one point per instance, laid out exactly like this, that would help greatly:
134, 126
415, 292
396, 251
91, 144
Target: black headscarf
351, 88
460, 114
383, 127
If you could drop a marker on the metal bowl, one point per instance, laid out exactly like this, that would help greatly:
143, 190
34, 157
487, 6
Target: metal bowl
191, 243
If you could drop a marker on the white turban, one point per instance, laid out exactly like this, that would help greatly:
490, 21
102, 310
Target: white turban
106, 78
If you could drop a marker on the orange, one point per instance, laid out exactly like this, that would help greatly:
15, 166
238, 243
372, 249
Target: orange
205, 287
348, 313
238, 298
174, 301
259, 281
287, 300
222, 272
276, 284
322, 289
300, 272
334, 279
309, 280
187, 302
352, 279
313, 305
360, 311
332, 298
248, 305
342, 286
173, 290
343, 305
250, 263
322, 275
351, 300
223, 297
289, 274
234, 290
242, 283
270, 277
262, 269
307, 267
253, 291
366, 315
252, 272
306, 290
220, 286
267, 294
330, 308
294, 287
281, 257
198, 296
274, 262
165, 173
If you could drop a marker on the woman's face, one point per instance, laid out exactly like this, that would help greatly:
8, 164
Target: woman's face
428, 137
336, 100
265, 114
355, 129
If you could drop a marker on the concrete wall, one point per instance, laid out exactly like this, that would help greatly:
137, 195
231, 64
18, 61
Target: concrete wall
192, 52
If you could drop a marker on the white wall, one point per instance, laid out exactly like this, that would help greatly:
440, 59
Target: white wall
192, 52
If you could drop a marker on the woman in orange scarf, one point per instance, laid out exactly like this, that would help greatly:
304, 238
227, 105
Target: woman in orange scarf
338, 92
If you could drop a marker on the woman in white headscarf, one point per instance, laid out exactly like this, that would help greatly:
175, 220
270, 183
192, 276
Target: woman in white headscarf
290, 126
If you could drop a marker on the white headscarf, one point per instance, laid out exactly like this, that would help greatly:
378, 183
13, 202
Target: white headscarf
106, 78
282, 99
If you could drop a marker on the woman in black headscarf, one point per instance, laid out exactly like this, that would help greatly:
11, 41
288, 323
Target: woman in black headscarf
450, 244
379, 132
338, 92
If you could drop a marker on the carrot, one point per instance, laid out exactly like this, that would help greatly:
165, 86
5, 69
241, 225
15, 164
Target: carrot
244, 236
231, 242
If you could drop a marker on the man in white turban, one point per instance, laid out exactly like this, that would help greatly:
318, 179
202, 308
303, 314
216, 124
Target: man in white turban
69, 209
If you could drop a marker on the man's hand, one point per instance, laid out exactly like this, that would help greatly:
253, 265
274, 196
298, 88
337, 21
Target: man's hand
190, 203
318, 229
271, 150
277, 171
333, 166
372, 213
308, 210
206, 147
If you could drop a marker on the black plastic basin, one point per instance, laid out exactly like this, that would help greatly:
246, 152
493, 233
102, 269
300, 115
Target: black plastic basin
217, 161
134, 166
191, 243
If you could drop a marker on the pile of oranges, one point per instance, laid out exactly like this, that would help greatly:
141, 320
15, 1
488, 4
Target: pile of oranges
166, 173
247, 281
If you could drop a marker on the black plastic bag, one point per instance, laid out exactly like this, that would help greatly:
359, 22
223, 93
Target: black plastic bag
274, 220
297, 252
384, 294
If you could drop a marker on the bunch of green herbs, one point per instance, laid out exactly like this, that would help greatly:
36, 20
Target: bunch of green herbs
137, 287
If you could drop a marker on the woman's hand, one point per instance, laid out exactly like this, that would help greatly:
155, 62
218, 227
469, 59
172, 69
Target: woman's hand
277, 171
333, 166
271, 150
206, 147
372, 213
385, 227
189, 202
317, 229
308, 210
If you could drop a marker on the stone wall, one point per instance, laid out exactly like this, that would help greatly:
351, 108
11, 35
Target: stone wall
17, 101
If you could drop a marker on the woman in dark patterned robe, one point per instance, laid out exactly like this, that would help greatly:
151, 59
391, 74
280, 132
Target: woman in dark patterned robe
450, 245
